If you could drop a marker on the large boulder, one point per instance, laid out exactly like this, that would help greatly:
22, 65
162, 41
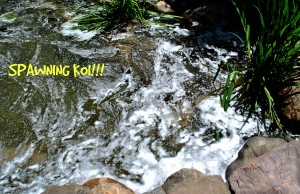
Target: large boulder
253, 148
93, 186
191, 181
276, 171
107, 186
68, 189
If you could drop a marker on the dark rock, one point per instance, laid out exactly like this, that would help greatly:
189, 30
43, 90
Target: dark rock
191, 181
276, 171
68, 189
254, 147
208, 13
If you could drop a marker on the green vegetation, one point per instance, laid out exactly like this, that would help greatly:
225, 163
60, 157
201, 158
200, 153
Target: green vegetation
110, 15
272, 64
116, 14
10, 16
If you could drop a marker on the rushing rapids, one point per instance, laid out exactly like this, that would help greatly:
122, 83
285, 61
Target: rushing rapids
151, 112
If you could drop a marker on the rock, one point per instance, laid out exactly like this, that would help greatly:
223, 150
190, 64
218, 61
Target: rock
93, 186
203, 11
107, 186
276, 171
290, 114
191, 181
179, 6
164, 7
254, 147
158, 190
209, 15
68, 189
138, 53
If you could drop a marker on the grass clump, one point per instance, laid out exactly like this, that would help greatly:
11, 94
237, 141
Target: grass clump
111, 15
116, 14
273, 61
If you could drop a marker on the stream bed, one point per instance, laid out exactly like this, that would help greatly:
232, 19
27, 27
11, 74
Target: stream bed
150, 114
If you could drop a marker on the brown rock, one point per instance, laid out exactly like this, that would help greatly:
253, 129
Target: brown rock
107, 186
68, 189
290, 114
191, 181
254, 147
276, 171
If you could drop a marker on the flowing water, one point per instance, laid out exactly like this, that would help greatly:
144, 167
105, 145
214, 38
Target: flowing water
148, 115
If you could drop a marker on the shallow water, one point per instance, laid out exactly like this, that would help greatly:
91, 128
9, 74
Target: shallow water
150, 114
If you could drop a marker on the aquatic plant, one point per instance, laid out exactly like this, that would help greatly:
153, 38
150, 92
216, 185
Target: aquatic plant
272, 64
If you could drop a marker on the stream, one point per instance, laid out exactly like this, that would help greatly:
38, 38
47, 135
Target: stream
150, 114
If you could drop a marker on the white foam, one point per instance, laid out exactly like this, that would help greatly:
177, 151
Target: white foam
180, 31
79, 34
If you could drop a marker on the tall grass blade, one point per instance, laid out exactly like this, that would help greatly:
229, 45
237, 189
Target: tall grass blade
229, 87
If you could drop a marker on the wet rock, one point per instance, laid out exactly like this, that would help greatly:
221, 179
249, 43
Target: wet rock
107, 186
191, 181
254, 147
137, 53
290, 114
276, 171
68, 189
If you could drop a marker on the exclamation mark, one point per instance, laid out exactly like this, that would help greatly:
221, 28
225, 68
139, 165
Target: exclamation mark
102, 69
98, 69
93, 69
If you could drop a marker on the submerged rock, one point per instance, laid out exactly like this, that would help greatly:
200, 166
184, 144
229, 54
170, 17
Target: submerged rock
191, 181
276, 171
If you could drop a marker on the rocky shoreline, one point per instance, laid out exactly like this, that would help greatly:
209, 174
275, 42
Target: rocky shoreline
264, 165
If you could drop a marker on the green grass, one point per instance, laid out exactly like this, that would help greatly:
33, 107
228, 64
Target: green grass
116, 14
110, 15
10, 16
273, 61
